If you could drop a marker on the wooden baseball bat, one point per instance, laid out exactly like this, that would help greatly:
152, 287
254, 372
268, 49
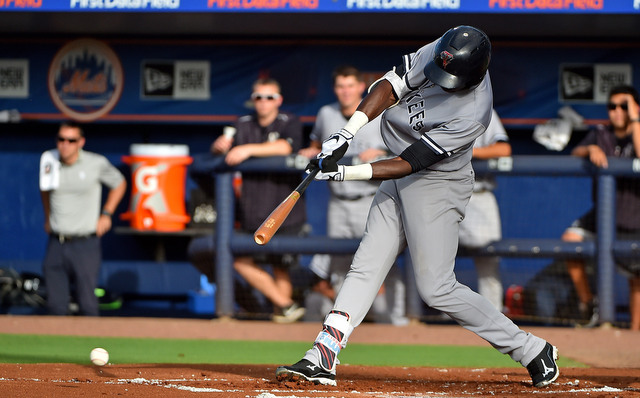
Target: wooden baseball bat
265, 232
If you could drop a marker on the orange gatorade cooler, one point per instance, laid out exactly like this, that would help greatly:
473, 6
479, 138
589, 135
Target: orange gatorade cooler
158, 178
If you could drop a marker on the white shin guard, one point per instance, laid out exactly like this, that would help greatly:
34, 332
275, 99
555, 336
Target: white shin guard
333, 337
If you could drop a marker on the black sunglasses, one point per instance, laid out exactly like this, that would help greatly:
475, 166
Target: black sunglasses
611, 106
70, 140
269, 97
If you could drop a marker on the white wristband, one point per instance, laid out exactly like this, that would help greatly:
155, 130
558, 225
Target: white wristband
359, 172
355, 123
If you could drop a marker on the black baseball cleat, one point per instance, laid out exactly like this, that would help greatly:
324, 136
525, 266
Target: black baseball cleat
543, 369
306, 371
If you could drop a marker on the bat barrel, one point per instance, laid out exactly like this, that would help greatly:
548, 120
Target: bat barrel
270, 226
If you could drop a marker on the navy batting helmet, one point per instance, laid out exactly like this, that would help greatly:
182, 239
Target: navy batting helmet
460, 59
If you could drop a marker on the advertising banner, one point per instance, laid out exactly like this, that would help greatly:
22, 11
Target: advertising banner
186, 80
192, 81
311, 6
14, 78
592, 82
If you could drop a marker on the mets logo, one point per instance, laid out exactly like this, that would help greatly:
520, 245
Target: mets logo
446, 57
85, 80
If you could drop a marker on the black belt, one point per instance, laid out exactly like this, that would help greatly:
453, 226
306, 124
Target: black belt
352, 198
62, 238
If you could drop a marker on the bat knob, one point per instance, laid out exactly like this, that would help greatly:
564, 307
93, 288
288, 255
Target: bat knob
260, 239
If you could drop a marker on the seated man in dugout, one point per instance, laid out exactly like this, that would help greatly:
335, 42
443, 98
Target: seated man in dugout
267, 132
619, 138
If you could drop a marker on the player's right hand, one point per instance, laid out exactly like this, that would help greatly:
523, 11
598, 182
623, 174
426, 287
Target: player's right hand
328, 164
337, 175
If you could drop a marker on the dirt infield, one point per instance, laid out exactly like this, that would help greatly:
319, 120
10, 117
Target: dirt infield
613, 354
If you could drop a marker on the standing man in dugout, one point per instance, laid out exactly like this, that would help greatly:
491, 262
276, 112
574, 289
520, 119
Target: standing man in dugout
349, 204
71, 182
434, 105
482, 224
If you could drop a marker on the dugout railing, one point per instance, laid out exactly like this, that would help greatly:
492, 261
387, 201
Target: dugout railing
604, 249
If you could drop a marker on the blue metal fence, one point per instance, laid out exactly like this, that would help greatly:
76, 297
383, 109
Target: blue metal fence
604, 250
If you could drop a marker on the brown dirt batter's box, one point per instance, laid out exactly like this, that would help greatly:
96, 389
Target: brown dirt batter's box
614, 355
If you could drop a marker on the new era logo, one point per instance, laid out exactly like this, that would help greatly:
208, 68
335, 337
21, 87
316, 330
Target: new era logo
574, 84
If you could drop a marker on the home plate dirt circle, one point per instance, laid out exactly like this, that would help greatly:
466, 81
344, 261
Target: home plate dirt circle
243, 381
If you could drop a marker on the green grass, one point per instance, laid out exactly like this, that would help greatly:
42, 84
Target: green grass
24, 348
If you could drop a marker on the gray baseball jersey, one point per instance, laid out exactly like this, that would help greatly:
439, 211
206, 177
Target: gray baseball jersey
75, 203
446, 123
481, 223
422, 211
495, 133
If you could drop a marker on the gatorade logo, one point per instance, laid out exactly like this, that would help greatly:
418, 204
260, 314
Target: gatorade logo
146, 179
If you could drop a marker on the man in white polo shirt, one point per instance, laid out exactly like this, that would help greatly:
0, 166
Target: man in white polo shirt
71, 188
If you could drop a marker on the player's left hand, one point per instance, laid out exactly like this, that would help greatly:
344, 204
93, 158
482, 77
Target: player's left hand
337, 141
337, 175
327, 160
336, 145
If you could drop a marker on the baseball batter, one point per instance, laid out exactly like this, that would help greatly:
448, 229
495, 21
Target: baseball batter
435, 104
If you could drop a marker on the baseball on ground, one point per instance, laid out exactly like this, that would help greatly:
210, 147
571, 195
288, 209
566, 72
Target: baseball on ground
99, 356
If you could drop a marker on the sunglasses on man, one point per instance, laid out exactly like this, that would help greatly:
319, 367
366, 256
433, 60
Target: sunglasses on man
612, 105
267, 97
69, 140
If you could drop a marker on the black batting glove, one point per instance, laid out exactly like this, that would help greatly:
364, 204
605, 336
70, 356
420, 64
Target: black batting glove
329, 163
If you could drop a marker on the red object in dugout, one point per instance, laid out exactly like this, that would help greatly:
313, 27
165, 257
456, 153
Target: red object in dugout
158, 187
514, 301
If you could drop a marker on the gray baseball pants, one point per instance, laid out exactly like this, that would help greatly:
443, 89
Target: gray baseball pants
423, 211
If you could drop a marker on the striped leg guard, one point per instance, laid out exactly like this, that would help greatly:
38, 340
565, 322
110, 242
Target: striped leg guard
333, 337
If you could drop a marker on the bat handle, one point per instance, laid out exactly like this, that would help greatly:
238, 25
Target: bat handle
307, 180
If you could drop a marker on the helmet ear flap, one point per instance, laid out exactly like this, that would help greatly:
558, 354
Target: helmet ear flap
461, 58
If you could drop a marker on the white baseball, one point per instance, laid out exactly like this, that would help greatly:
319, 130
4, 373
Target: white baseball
99, 356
